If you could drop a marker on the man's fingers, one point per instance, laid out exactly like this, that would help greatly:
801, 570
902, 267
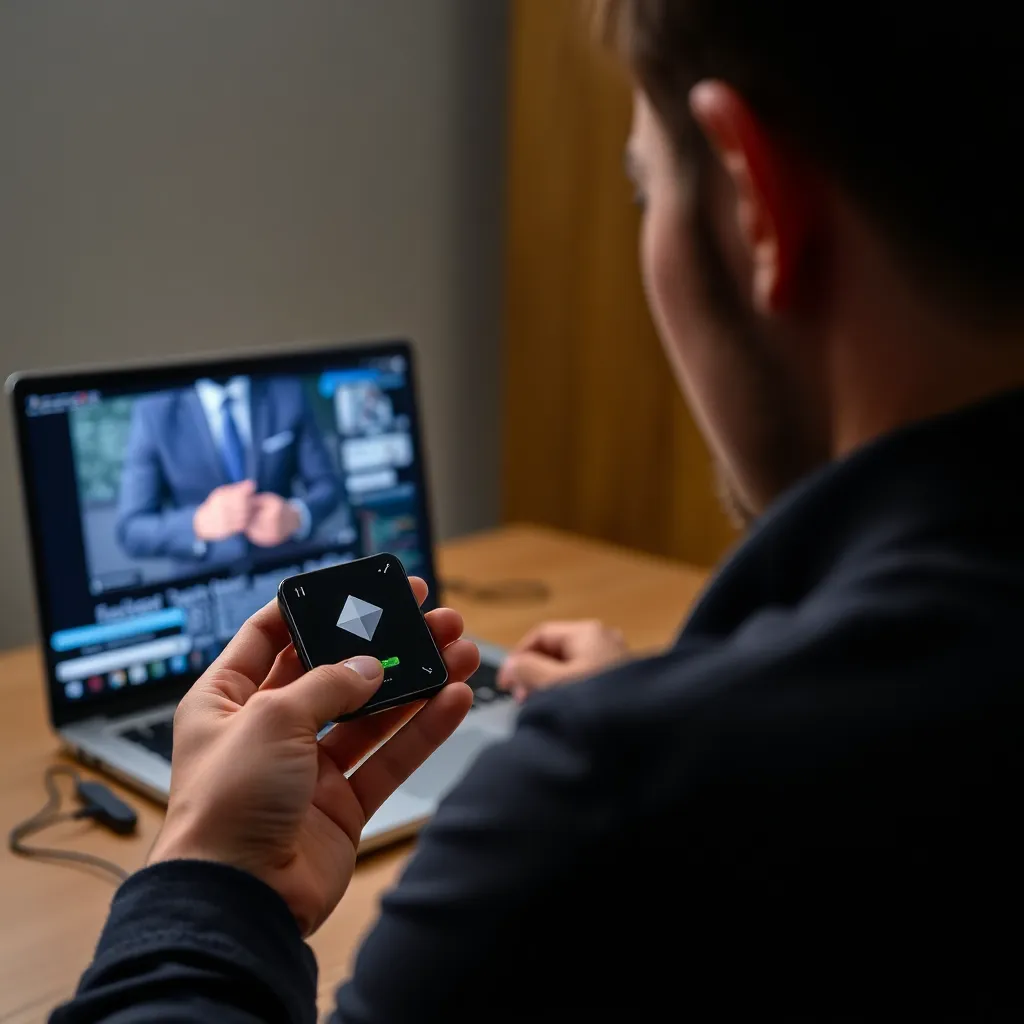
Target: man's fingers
252, 652
384, 771
243, 496
349, 742
446, 626
286, 669
330, 691
553, 638
419, 588
462, 659
529, 671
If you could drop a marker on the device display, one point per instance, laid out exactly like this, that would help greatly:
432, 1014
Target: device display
167, 504
365, 607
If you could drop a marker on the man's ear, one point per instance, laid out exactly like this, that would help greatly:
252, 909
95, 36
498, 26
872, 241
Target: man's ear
773, 188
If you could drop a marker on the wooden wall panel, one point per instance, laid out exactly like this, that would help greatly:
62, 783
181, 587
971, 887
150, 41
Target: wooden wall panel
596, 436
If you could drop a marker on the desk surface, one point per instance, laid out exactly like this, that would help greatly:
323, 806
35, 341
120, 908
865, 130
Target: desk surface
51, 915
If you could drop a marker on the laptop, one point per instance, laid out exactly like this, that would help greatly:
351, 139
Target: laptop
140, 582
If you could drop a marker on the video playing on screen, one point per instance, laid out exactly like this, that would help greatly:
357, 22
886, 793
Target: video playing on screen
178, 481
195, 500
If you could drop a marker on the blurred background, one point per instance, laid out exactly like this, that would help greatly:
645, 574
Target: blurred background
202, 176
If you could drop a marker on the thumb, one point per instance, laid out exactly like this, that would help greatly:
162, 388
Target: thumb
529, 671
330, 691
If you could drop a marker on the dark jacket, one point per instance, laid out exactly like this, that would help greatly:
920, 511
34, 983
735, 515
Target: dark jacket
807, 807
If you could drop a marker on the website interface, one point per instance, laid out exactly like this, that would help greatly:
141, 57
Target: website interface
167, 517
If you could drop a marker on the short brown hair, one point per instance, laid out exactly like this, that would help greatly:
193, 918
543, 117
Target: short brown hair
916, 118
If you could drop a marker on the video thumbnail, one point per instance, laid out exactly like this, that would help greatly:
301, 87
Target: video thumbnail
221, 474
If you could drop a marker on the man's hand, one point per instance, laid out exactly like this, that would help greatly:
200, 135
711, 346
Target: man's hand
252, 788
226, 512
274, 520
559, 652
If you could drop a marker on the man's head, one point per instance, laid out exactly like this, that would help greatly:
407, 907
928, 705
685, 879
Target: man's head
832, 223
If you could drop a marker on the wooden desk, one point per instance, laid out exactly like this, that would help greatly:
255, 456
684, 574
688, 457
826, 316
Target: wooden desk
50, 916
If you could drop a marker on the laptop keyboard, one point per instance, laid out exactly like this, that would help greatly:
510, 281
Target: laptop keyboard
156, 736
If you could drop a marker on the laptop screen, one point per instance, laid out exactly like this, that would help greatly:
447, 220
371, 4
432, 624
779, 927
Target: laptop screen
165, 505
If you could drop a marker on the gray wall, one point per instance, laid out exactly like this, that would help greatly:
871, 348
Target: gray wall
200, 175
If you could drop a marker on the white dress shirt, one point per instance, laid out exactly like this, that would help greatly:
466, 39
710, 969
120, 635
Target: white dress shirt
212, 396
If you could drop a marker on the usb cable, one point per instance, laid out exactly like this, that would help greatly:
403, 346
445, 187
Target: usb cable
99, 804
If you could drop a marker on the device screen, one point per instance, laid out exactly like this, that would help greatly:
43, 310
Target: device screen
169, 505
364, 607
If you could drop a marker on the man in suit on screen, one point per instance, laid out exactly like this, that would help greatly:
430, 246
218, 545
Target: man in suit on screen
211, 472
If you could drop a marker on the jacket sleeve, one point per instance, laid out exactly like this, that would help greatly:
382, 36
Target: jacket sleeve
197, 942
322, 483
511, 845
145, 528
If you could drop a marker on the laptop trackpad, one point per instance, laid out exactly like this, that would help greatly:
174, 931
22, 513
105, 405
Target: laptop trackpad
447, 764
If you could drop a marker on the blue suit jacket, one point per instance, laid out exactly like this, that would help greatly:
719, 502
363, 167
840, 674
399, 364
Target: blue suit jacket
172, 464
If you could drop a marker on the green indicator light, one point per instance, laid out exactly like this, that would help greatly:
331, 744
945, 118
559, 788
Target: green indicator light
390, 663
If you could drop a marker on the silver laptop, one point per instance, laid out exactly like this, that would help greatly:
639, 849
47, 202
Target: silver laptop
138, 591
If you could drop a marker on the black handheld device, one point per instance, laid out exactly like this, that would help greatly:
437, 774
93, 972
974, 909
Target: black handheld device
366, 606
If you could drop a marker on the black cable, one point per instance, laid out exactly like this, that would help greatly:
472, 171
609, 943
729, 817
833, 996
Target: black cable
500, 590
50, 814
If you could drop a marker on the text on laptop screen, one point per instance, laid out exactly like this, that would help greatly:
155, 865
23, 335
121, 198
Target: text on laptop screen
166, 516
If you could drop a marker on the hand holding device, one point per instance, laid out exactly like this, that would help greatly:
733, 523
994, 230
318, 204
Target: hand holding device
274, 520
226, 512
252, 788
560, 652
364, 607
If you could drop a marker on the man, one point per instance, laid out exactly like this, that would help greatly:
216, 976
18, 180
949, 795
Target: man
209, 472
804, 809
